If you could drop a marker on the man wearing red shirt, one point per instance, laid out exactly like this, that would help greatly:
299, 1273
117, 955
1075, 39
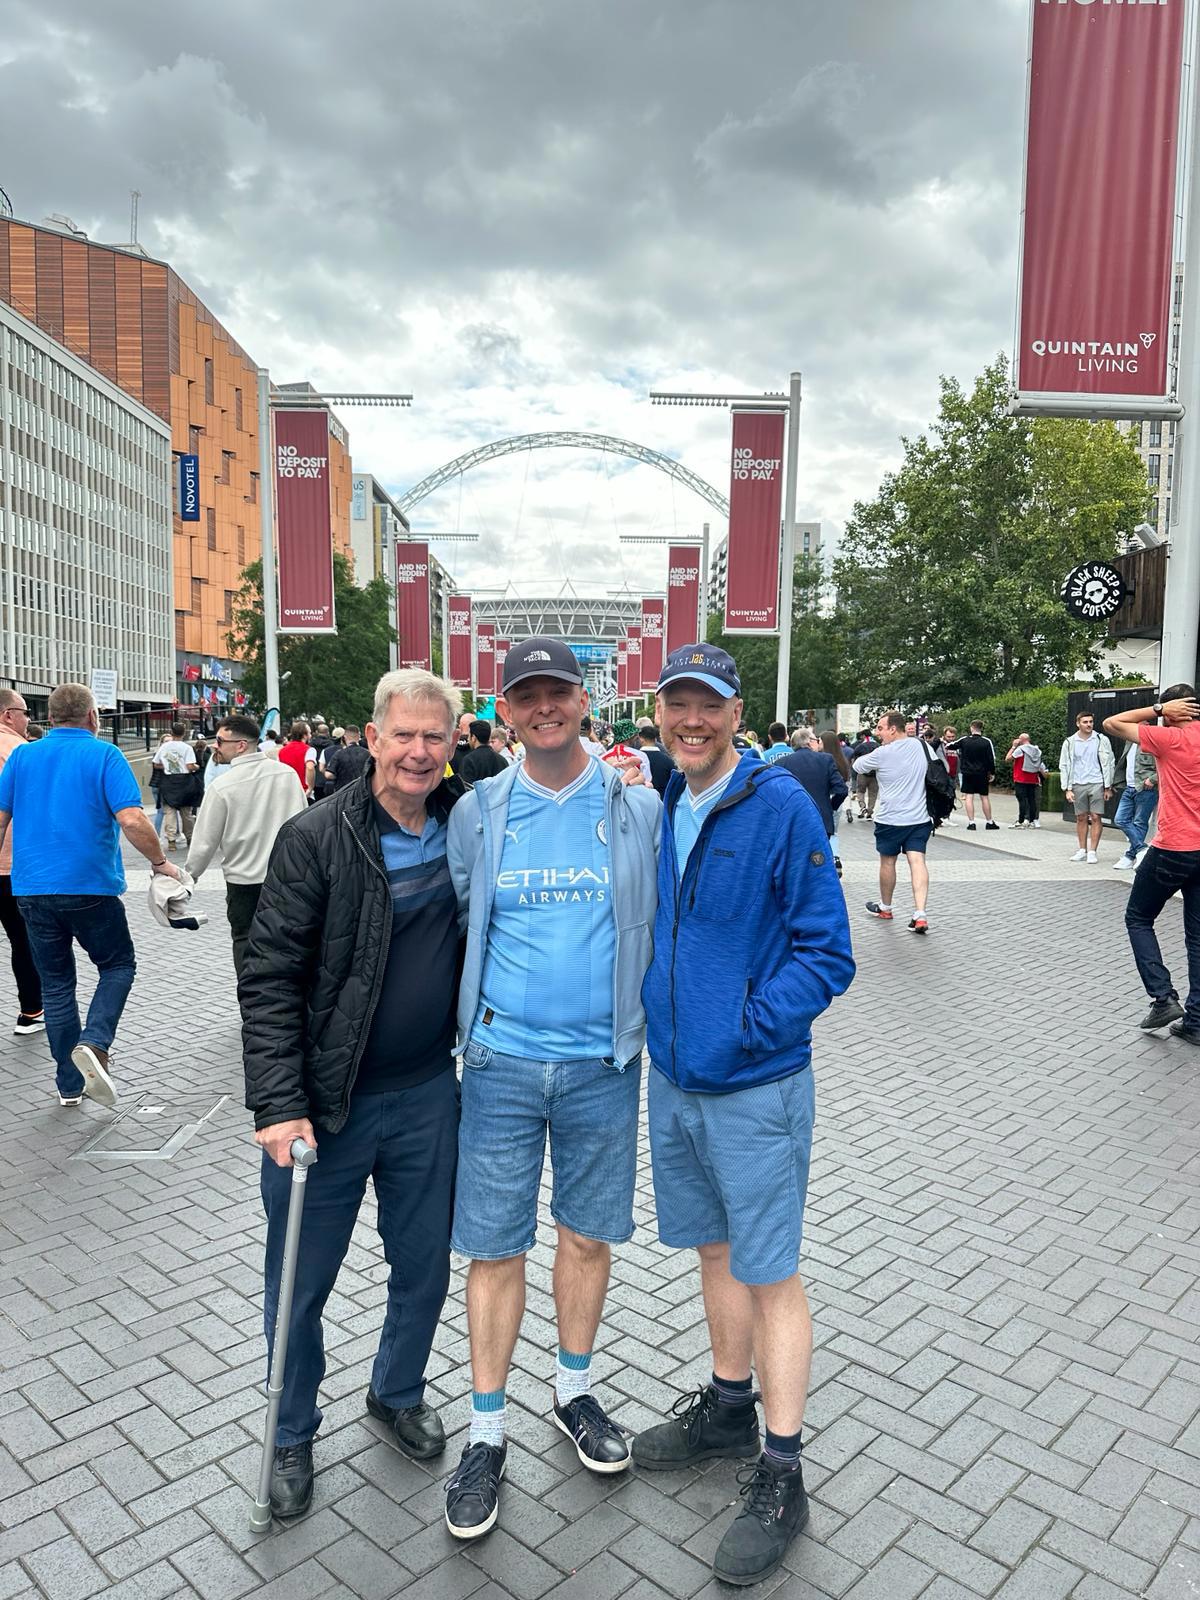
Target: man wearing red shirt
1172, 863
296, 752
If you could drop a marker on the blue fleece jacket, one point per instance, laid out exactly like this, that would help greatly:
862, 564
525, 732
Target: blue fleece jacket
752, 944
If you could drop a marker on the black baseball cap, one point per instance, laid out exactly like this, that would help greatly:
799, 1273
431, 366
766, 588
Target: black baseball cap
707, 663
540, 658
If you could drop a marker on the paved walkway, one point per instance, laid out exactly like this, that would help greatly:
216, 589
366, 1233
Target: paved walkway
1003, 1244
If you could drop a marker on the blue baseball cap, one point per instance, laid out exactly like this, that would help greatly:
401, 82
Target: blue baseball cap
707, 664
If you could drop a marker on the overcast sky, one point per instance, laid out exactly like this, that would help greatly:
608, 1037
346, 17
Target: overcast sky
531, 212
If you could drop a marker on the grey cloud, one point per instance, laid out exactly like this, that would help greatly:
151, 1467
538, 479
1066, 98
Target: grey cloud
530, 213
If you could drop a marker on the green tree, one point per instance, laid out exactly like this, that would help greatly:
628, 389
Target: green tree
821, 674
335, 673
948, 581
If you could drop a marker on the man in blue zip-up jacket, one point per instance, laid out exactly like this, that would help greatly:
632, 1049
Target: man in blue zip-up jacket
555, 866
751, 943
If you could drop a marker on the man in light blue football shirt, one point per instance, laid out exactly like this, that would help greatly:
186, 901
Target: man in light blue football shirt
554, 862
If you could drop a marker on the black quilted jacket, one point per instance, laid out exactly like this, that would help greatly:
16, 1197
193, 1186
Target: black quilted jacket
316, 958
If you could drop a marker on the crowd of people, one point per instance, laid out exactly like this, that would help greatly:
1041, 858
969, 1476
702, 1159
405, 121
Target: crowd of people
454, 940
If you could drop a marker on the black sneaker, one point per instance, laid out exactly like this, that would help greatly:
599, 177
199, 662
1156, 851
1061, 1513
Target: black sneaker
775, 1510
31, 1022
702, 1427
876, 910
473, 1492
415, 1430
992, 827
292, 1480
1162, 1012
918, 924
1188, 1035
970, 827
600, 1444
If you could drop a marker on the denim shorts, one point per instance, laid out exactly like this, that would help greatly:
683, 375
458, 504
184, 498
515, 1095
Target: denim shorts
733, 1169
508, 1103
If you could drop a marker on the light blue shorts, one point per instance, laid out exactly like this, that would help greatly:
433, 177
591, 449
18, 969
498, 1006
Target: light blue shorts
733, 1169
589, 1108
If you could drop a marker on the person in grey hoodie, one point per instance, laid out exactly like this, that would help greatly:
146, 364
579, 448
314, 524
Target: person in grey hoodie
241, 816
555, 865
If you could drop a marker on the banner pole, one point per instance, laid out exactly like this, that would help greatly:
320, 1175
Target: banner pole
787, 556
266, 513
1181, 599
702, 608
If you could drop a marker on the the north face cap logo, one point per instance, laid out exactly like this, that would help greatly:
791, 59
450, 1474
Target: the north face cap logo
537, 655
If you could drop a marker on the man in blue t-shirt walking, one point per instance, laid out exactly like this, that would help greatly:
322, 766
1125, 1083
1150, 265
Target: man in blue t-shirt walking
68, 798
554, 861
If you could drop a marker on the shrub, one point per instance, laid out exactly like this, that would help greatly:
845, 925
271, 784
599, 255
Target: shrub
1041, 713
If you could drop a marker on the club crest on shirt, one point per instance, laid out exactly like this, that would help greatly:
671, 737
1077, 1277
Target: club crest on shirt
602, 832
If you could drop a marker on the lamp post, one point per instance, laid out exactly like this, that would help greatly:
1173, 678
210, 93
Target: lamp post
789, 403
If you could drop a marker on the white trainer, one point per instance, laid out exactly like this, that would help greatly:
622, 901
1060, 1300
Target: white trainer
1080, 855
1124, 864
1092, 858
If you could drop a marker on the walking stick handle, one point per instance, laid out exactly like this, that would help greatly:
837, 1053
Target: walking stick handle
303, 1155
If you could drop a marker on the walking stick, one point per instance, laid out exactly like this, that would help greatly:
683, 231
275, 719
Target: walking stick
303, 1156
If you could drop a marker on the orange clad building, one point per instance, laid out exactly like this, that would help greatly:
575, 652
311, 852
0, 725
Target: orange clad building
138, 323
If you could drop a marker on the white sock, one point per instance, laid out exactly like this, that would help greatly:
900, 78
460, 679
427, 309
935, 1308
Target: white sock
489, 1418
572, 1376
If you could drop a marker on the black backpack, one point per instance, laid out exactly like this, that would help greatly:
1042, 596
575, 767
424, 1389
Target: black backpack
940, 791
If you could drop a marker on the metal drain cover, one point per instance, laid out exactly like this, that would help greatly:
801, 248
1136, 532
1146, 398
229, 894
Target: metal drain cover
150, 1130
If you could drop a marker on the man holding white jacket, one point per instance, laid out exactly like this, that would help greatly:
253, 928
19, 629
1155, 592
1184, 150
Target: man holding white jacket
241, 816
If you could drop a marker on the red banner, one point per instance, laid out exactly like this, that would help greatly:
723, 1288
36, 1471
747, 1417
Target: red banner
485, 658
653, 628
622, 669
413, 629
303, 532
458, 646
502, 647
1098, 227
755, 492
683, 596
633, 659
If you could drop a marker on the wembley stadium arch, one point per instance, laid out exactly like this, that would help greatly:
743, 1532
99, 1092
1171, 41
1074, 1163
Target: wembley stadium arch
564, 441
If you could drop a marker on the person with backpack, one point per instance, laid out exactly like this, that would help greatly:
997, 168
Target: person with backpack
903, 823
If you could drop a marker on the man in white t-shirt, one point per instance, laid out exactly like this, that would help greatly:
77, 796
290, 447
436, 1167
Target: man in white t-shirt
176, 761
902, 821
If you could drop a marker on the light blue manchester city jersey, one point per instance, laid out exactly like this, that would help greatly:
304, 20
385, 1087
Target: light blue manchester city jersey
547, 990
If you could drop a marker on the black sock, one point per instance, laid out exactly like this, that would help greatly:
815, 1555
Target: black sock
737, 1393
782, 1449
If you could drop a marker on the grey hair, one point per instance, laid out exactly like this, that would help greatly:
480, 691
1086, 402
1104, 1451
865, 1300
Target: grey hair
70, 703
416, 686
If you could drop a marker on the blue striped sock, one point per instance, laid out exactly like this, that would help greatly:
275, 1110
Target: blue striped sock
572, 1376
489, 1417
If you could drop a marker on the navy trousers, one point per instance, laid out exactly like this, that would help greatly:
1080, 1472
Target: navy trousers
407, 1144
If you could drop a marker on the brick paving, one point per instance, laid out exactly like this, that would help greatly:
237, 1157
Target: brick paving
1003, 1245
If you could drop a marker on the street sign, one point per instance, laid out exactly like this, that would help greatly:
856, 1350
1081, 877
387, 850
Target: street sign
104, 688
